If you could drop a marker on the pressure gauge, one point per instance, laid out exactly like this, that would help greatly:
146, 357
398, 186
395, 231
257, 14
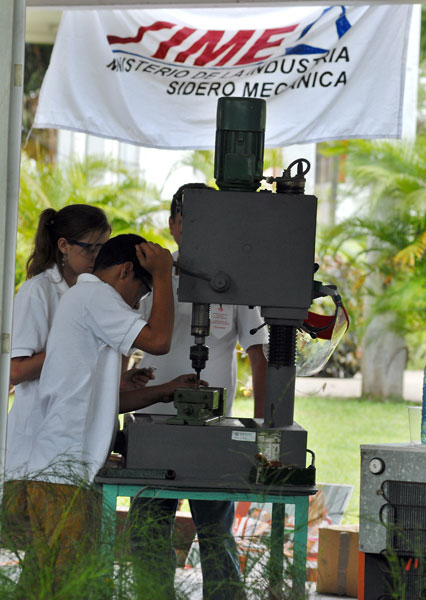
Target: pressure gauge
376, 466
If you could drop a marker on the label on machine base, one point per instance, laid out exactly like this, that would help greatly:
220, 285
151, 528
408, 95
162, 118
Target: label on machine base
244, 436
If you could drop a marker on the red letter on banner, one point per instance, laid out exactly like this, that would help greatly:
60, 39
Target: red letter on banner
263, 43
210, 40
175, 40
115, 39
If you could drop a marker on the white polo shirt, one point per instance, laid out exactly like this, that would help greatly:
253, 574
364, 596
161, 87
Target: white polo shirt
79, 383
34, 307
229, 324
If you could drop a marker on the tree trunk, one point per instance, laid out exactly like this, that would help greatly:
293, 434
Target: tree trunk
384, 359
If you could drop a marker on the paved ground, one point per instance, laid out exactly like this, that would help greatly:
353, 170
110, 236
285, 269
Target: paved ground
189, 581
351, 388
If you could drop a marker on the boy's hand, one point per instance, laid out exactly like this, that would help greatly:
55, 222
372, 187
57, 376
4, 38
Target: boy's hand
154, 258
183, 381
134, 379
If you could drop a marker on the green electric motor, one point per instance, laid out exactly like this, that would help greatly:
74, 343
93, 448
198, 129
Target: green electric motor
239, 148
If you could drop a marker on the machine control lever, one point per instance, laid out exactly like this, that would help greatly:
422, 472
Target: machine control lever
219, 282
256, 329
191, 272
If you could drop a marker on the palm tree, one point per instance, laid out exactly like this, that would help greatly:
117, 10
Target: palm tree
130, 203
389, 180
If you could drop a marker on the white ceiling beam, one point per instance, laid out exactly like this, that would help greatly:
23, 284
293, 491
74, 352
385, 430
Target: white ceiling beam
61, 4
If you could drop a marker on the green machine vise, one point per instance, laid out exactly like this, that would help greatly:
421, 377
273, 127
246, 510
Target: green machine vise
199, 406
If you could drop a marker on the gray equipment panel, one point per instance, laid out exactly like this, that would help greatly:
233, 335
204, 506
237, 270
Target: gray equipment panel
265, 242
404, 463
220, 455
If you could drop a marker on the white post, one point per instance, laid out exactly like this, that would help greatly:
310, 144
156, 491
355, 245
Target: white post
409, 112
12, 48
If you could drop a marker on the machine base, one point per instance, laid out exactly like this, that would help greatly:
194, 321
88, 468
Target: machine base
220, 455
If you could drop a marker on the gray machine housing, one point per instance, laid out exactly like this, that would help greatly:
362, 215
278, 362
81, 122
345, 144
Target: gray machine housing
264, 242
382, 466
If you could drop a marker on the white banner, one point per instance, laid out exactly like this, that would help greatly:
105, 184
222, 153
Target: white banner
153, 77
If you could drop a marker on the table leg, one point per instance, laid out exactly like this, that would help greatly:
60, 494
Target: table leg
276, 560
301, 507
109, 505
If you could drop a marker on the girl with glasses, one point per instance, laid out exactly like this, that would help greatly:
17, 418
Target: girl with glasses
65, 246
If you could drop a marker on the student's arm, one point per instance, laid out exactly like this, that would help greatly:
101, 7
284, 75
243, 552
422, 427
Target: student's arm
156, 336
26, 368
258, 370
152, 394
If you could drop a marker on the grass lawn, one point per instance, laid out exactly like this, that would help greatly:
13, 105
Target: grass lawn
336, 429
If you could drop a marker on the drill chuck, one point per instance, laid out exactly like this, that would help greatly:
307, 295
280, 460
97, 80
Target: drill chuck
199, 355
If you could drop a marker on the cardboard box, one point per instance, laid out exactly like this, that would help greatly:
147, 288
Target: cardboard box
338, 560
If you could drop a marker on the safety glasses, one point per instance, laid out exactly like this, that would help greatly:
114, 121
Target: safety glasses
86, 247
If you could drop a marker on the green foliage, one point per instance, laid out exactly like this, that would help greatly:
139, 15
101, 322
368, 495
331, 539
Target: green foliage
130, 203
49, 560
423, 35
387, 238
41, 142
391, 173
273, 159
37, 58
202, 163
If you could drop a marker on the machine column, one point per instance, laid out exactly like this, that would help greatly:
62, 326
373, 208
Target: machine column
281, 376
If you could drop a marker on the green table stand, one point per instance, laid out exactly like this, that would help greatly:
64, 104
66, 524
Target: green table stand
111, 491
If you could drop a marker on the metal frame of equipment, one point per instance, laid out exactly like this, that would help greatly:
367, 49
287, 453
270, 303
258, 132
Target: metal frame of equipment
392, 536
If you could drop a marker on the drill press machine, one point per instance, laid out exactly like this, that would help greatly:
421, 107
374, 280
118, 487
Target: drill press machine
239, 246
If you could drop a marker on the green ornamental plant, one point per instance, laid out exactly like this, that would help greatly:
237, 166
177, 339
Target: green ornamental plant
387, 242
